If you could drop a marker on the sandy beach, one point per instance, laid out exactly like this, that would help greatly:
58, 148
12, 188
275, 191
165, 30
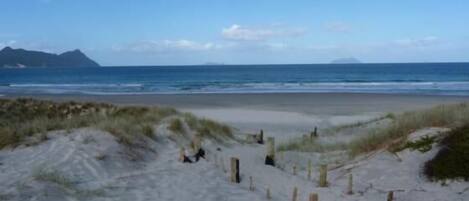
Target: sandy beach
101, 169
280, 114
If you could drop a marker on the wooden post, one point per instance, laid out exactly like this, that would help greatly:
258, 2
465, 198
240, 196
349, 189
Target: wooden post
309, 169
295, 194
260, 138
235, 170
269, 197
313, 197
182, 154
197, 143
350, 184
251, 185
390, 196
323, 176
270, 156
294, 169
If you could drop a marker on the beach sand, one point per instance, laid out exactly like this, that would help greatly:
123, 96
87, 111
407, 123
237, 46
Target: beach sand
281, 115
163, 177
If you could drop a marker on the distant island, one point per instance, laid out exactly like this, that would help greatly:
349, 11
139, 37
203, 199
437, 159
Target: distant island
350, 60
20, 58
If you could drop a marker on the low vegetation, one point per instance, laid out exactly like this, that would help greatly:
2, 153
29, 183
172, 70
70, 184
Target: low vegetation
452, 160
25, 119
58, 178
361, 123
176, 126
208, 128
21, 119
423, 144
308, 145
394, 135
52, 176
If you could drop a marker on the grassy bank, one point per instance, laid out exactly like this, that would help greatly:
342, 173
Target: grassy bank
394, 134
23, 119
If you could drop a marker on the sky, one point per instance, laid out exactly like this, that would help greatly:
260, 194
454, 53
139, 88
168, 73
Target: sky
184, 32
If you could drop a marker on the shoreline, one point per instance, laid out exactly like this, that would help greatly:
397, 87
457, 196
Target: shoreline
308, 103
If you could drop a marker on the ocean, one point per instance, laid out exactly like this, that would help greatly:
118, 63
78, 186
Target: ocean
408, 78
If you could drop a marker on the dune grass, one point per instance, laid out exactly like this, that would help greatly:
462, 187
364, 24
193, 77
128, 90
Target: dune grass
299, 144
361, 123
58, 178
176, 126
24, 118
394, 135
452, 161
52, 176
208, 128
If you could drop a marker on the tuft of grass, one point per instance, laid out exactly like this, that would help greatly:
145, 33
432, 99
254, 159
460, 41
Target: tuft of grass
56, 177
208, 128
176, 126
423, 144
148, 131
52, 176
362, 123
302, 145
452, 161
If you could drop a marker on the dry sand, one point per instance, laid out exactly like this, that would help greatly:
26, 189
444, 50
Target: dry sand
162, 177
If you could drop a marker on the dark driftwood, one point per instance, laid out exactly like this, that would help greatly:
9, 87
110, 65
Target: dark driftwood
269, 160
200, 154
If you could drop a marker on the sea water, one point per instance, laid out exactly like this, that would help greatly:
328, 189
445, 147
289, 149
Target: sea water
409, 78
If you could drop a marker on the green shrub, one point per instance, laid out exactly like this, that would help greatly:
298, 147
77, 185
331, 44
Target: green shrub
452, 160
423, 144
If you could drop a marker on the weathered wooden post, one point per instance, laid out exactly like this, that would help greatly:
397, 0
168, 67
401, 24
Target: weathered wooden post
313, 197
182, 154
251, 184
196, 143
323, 176
235, 170
390, 196
260, 138
350, 184
269, 197
314, 133
270, 156
309, 169
295, 194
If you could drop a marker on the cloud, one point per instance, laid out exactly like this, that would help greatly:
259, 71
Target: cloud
417, 42
338, 27
240, 33
7, 43
165, 46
